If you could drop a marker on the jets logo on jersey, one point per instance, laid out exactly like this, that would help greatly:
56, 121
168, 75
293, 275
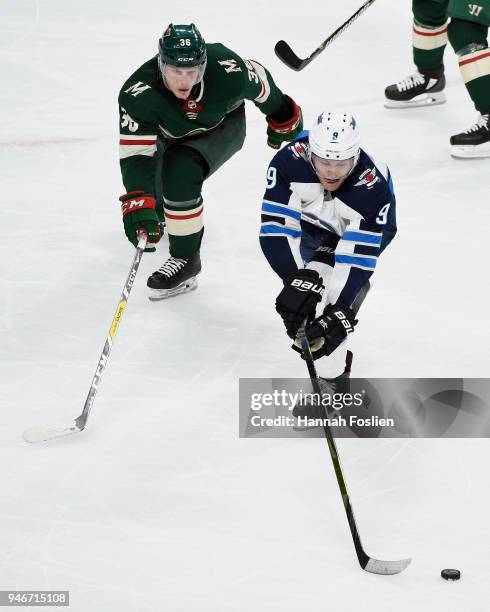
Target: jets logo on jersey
368, 178
298, 149
192, 108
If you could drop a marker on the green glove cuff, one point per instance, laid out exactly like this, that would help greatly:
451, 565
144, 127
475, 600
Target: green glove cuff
147, 220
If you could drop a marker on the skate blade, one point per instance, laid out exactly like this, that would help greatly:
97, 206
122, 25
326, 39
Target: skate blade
432, 99
163, 294
471, 151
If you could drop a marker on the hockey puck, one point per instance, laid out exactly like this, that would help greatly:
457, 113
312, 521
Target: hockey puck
451, 574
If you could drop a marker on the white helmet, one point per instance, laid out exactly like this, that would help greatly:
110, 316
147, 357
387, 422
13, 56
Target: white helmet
335, 136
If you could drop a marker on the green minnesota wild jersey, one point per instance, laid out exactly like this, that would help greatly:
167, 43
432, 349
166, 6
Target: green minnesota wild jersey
149, 110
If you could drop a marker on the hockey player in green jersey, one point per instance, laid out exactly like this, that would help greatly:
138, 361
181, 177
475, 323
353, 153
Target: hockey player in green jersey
182, 116
467, 31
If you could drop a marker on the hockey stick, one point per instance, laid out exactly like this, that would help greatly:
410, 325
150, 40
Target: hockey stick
375, 566
289, 57
43, 434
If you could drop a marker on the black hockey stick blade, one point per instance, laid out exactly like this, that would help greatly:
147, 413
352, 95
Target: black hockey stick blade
289, 57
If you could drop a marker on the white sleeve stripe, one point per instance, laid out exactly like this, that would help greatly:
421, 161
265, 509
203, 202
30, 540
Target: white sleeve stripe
130, 150
264, 81
138, 137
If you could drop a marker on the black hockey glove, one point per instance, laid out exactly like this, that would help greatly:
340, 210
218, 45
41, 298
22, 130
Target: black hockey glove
327, 332
297, 301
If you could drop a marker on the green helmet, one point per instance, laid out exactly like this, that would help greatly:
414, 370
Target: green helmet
182, 45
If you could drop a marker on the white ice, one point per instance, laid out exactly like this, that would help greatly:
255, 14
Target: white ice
159, 506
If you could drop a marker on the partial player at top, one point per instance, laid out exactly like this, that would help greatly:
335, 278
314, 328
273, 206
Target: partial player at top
467, 31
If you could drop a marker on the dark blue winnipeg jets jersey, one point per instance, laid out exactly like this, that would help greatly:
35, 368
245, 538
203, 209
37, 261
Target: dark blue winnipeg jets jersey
359, 218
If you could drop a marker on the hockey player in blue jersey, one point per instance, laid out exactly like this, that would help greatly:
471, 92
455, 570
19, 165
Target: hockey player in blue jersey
328, 214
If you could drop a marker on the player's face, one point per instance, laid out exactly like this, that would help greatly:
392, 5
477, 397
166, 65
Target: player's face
180, 81
332, 172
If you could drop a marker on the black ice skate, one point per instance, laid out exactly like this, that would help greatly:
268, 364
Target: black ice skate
174, 277
475, 142
340, 384
416, 90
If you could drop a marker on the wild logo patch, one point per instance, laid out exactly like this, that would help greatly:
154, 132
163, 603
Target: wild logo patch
368, 178
192, 108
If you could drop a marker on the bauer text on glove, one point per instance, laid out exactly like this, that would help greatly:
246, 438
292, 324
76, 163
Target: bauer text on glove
302, 291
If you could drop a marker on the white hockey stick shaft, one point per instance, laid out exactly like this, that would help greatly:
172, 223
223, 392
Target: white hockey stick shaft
42, 434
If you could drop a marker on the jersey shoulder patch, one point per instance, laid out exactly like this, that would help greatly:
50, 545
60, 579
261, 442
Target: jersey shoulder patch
368, 188
292, 160
299, 150
368, 177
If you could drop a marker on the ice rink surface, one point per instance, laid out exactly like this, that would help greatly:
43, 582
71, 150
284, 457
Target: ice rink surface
159, 506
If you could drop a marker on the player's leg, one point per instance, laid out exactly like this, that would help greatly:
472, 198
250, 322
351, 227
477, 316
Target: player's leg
221, 143
468, 35
183, 173
429, 38
184, 167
